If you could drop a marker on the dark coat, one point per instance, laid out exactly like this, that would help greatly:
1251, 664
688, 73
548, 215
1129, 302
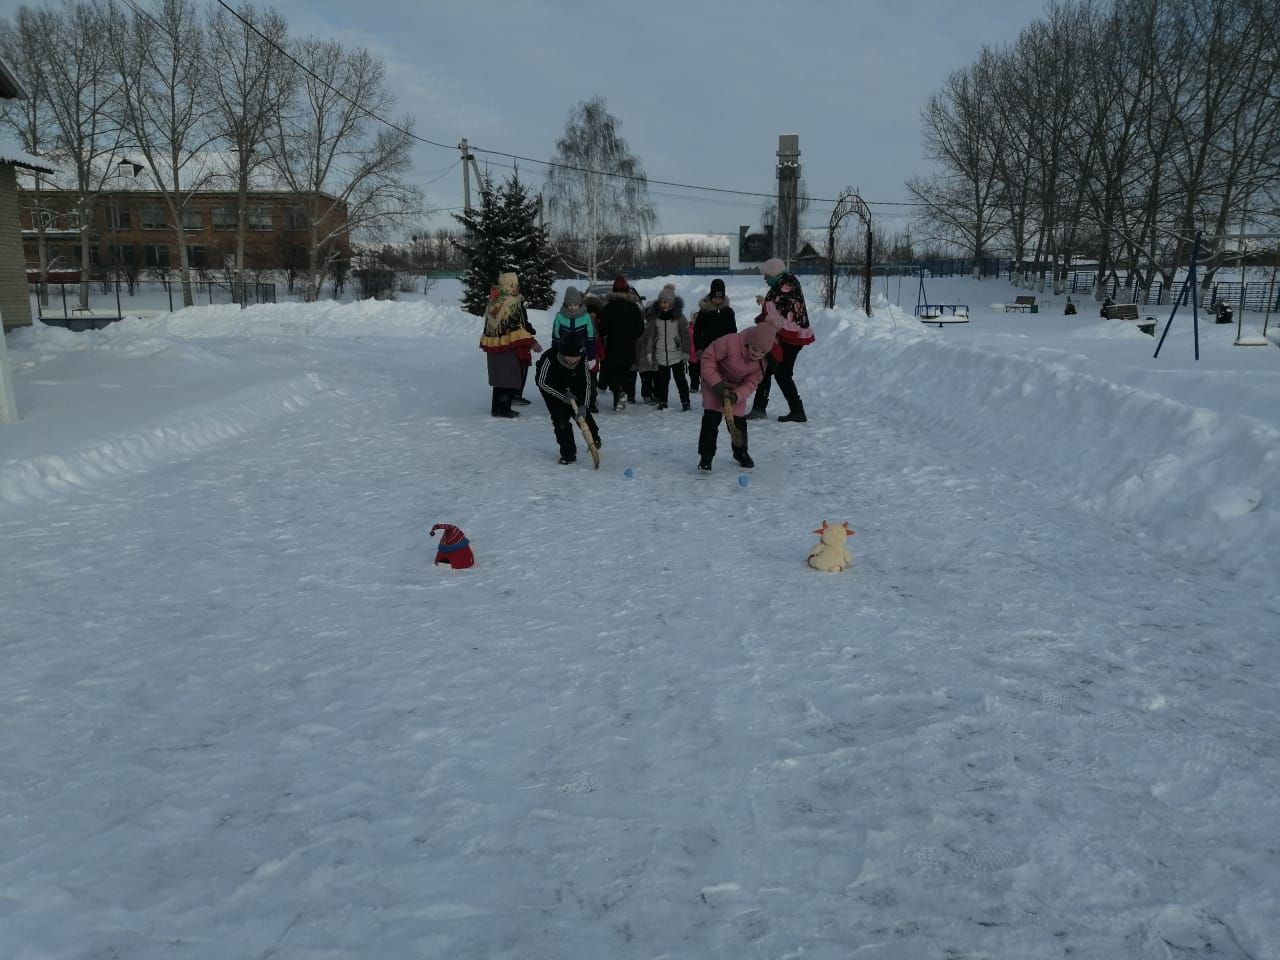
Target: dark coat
558, 382
711, 323
621, 324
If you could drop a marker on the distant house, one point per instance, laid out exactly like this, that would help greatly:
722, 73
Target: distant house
15, 305
131, 230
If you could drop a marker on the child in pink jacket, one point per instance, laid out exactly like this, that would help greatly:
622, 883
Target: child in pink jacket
731, 367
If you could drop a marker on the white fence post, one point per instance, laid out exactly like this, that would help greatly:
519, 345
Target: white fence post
8, 403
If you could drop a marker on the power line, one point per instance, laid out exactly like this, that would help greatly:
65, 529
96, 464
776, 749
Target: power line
515, 156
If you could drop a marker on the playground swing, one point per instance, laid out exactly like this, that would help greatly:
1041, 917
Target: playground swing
1262, 340
939, 314
1188, 293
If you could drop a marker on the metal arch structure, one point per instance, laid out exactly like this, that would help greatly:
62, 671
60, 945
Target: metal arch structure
850, 202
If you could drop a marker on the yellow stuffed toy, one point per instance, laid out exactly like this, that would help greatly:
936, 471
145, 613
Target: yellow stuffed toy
830, 554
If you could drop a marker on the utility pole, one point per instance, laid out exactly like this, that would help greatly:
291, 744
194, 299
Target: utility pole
468, 165
466, 176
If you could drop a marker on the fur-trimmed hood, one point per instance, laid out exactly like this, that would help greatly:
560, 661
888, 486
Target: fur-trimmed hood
706, 306
677, 309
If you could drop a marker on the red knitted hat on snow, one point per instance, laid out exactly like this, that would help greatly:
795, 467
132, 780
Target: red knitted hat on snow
454, 549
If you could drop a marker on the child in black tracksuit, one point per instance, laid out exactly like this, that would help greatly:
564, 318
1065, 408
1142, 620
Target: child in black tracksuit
561, 375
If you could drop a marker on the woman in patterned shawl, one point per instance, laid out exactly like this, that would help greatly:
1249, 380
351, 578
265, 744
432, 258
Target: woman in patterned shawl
508, 343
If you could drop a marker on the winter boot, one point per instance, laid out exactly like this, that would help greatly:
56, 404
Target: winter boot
758, 408
795, 414
744, 459
704, 464
501, 405
569, 459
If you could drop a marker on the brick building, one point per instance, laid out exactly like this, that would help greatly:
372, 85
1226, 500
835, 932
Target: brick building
131, 229
15, 306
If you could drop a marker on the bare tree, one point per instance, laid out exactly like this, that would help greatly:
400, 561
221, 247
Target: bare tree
253, 81
78, 93
159, 58
597, 192
31, 120
333, 151
965, 135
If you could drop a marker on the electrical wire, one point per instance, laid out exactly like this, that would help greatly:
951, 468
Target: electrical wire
552, 164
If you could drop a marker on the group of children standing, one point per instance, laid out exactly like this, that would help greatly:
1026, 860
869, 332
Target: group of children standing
605, 345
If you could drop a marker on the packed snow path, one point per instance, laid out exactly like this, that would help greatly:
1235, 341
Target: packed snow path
246, 717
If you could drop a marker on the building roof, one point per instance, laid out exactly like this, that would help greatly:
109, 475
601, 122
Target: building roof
133, 193
11, 87
12, 155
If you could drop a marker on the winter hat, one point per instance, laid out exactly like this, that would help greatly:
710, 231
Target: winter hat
761, 337
772, 267
570, 344
668, 294
717, 287
620, 284
454, 549
573, 305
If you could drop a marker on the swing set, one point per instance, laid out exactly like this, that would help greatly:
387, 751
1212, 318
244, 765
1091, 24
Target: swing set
1188, 291
939, 314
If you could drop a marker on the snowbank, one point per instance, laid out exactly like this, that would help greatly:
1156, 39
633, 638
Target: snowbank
1112, 440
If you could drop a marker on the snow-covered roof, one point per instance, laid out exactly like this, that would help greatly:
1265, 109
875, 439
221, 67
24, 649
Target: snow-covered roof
11, 87
12, 154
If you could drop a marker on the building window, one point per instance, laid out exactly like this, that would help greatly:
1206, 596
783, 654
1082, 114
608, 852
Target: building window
118, 217
295, 218
197, 258
122, 254
260, 218
192, 219
224, 218
155, 255
153, 218
62, 256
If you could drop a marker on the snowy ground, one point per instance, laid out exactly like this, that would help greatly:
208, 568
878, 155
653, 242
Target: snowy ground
245, 717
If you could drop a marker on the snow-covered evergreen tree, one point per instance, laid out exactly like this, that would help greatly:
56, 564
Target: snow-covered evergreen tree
504, 236
483, 250
530, 244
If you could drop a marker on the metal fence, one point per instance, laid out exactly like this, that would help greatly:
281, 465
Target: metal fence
1259, 295
61, 304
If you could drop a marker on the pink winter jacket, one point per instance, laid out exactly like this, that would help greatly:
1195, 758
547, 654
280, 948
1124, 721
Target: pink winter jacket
726, 359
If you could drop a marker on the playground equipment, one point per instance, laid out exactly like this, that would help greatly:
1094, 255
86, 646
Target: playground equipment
1262, 339
940, 314
1189, 290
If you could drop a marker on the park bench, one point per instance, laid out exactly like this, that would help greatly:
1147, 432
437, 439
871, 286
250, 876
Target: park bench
1129, 311
1023, 304
942, 314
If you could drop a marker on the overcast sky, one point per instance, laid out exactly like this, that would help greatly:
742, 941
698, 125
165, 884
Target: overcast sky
703, 88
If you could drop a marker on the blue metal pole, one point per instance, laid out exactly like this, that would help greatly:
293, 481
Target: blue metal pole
1191, 279
1195, 300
